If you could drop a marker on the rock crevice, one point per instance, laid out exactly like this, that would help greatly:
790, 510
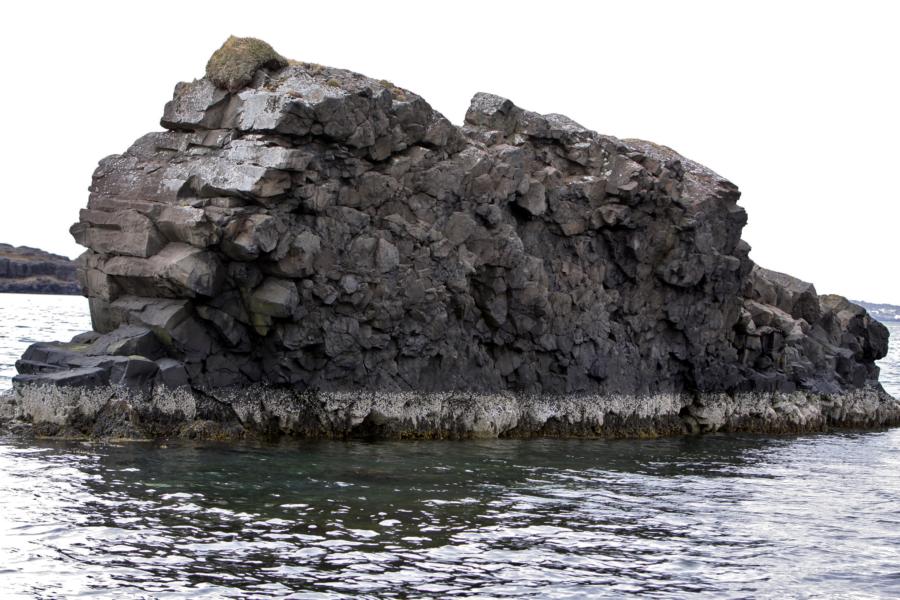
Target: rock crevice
310, 233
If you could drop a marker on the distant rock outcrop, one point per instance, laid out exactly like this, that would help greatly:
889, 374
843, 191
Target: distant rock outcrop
313, 252
886, 313
32, 271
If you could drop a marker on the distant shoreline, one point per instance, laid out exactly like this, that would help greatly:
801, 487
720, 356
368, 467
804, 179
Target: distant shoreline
886, 313
26, 270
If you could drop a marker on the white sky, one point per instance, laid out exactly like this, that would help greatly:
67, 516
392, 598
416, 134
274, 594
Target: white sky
797, 103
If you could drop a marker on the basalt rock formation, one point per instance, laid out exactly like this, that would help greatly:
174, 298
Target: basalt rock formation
313, 252
31, 271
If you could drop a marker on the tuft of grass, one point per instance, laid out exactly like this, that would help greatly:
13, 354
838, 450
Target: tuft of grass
396, 92
333, 82
232, 66
314, 68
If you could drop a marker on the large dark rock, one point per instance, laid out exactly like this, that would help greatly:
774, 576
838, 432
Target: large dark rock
31, 271
321, 231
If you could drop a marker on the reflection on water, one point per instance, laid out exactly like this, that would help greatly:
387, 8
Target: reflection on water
739, 516
726, 515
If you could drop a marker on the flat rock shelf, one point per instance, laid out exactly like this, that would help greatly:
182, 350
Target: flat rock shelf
306, 251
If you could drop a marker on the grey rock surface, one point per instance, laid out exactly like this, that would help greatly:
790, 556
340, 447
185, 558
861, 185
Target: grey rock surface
318, 232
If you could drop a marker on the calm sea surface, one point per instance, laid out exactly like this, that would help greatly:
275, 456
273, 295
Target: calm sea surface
719, 516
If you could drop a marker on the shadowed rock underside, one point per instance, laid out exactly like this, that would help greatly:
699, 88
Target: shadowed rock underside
315, 253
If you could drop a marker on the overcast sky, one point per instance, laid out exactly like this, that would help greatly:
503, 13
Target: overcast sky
794, 102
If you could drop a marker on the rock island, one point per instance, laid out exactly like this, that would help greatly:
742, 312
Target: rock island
305, 251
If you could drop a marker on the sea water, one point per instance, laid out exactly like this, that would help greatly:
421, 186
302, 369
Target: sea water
721, 516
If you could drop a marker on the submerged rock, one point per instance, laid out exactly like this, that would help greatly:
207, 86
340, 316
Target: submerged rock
308, 251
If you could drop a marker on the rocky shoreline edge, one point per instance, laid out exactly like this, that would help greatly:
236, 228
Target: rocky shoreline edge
269, 413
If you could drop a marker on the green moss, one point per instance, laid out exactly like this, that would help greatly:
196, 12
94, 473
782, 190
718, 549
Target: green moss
232, 66
261, 323
164, 336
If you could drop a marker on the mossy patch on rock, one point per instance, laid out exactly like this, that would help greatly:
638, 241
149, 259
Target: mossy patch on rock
233, 66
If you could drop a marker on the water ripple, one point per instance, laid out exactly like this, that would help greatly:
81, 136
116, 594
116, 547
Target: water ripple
726, 516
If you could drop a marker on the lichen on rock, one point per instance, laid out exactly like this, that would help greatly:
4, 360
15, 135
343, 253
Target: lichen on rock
323, 254
233, 66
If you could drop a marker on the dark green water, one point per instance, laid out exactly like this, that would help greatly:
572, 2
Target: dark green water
724, 516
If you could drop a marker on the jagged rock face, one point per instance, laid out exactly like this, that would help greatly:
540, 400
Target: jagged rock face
325, 231
30, 270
